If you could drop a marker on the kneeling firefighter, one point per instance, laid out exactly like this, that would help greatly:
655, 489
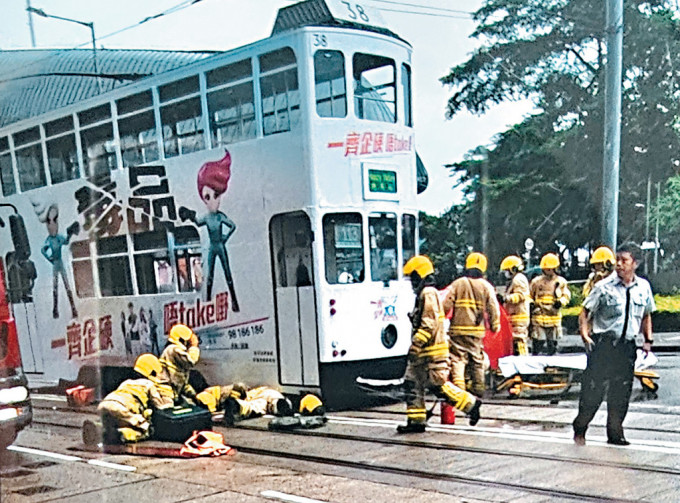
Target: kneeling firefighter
428, 358
125, 412
178, 358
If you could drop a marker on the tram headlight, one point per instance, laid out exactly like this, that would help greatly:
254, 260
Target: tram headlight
13, 395
388, 336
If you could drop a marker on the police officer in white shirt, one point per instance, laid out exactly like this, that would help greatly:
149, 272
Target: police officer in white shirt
619, 308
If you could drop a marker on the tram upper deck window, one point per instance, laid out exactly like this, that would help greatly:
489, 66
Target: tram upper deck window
344, 248
374, 87
6, 171
231, 103
62, 154
134, 103
113, 265
329, 84
382, 231
29, 159
406, 86
182, 127
138, 143
408, 236
280, 91
177, 89
152, 262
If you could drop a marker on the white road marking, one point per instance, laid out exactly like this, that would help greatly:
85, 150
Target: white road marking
113, 466
65, 457
47, 454
288, 497
535, 436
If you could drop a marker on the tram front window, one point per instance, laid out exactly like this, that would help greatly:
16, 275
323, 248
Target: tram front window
374, 88
382, 230
344, 248
408, 236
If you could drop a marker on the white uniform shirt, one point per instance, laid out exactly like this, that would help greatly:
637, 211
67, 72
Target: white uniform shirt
606, 306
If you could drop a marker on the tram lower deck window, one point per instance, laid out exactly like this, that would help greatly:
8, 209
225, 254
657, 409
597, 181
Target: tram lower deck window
7, 175
344, 248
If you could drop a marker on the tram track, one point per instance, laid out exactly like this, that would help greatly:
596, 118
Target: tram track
416, 473
421, 444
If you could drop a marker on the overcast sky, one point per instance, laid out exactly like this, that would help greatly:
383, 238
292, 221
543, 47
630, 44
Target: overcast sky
439, 35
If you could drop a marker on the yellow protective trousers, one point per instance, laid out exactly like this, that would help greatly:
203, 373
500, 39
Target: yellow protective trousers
467, 352
419, 379
131, 426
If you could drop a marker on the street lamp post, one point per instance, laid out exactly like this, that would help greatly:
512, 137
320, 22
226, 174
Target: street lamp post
90, 25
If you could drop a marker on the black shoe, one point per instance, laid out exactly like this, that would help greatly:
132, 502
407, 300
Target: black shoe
232, 410
474, 412
618, 441
411, 428
580, 439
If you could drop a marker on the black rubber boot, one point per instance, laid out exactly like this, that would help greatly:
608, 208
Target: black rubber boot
411, 428
474, 412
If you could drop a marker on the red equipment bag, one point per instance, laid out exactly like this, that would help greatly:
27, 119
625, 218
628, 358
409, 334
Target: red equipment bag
499, 344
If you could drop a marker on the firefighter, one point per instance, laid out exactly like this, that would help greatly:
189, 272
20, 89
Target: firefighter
470, 297
125, 412
215, 397
550, 293
517, 300
178, 358
602, 262
257, 402
311, 405
427, 364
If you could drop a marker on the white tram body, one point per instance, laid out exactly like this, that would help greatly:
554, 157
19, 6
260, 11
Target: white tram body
321, 199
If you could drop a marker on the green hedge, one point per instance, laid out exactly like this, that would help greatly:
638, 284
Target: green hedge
662, 321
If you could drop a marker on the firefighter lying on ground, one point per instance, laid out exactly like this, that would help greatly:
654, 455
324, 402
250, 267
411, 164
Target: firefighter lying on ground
428, 357
237, 402
125, 412
178, 358
550, 293
516, 301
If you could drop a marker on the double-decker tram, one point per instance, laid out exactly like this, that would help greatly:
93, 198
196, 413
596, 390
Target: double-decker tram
265, 196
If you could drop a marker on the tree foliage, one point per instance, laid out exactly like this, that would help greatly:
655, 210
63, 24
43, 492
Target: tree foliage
545, 173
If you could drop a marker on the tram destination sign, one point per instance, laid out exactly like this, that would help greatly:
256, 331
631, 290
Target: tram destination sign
382, 181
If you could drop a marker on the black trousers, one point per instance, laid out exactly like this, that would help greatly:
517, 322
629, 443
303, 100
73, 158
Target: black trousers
610, 367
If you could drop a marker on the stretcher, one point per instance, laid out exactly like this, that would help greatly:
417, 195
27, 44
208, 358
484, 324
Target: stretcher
557, 373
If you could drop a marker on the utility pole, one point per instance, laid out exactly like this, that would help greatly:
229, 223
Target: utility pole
656, 228
30, 22
484, 220
647, 215
612, 123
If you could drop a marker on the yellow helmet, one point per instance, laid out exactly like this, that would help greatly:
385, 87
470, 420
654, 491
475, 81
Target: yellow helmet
476, 260
311, 405
603, 255
550, 261
149, 366
180, 334
420, 264
512, 262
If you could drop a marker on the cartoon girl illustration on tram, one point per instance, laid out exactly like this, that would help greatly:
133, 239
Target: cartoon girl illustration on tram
51, 250
212, 180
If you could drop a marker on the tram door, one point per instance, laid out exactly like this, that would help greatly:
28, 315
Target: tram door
291, 248
29, 340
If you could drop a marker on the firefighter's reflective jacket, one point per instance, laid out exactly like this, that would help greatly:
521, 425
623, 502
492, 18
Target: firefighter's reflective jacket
517, 302
470, 298
593, 278
429, 342
214, 397
263, 400
177, 363
547, 293
137, 395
